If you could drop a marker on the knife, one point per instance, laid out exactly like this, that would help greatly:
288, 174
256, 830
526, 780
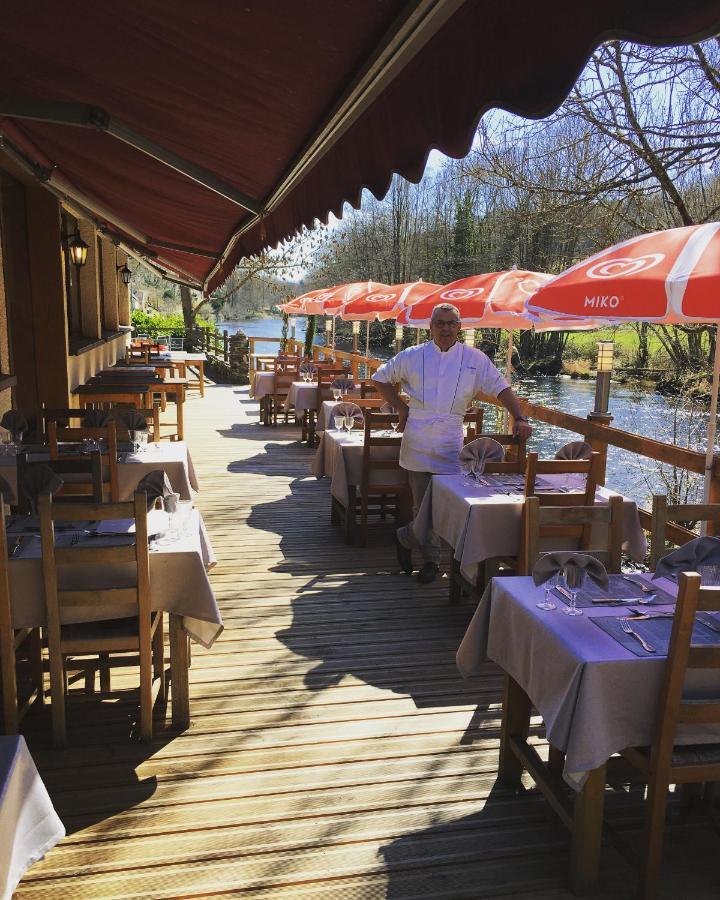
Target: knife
563, 592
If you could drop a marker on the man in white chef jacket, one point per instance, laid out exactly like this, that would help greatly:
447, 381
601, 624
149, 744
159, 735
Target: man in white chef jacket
440, 379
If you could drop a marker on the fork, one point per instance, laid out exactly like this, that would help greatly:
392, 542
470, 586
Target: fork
626, 627
643, 587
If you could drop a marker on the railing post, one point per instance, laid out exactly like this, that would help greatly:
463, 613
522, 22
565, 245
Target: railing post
354, 366
251, 365
226, 345
714, 495
598, 444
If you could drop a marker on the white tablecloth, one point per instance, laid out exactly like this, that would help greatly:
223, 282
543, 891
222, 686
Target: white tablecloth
172, 457
263, 383
339, 456
302, 395
29, 826
178, 580
483, 522
595, 696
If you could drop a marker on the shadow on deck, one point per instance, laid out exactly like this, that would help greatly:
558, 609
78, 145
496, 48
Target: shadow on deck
333, 752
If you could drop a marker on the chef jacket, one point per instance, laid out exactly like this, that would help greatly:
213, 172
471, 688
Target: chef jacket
440, 386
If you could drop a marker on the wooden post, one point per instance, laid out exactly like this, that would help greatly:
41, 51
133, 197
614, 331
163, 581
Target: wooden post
110, 278
226, 345
90, 283
598, 444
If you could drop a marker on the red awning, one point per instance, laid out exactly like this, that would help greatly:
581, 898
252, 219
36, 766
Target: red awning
219, 128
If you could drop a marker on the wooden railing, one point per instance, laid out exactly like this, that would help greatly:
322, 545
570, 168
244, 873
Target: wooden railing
212, 341
360, 366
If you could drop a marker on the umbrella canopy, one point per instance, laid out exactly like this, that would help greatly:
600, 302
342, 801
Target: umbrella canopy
329, 301
293, 307
666, 277
383, 304
492, 300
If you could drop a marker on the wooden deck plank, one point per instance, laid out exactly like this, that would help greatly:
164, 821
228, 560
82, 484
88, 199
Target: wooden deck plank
333, 753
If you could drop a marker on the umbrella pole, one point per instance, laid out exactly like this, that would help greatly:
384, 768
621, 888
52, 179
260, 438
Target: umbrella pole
367, 340
418, 337
508, 372
712, 423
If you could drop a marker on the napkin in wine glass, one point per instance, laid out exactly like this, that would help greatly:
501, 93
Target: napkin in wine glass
155, 485
703, 551
38, 479
550, 564
477, 453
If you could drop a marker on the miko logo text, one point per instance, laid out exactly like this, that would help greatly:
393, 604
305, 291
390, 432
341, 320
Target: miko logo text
602, 302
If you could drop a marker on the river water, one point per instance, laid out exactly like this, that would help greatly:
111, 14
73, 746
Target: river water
636, 410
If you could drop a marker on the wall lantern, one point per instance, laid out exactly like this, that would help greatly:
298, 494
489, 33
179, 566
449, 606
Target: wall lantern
78, 249
125, 274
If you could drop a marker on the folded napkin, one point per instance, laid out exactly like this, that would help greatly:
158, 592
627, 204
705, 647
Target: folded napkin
130, 419
575, 450
97, 418
15, 422
156, 484
388, 409
477, 453
573, 563
349, 409
308, 368
38, 479
344, 384
703, 551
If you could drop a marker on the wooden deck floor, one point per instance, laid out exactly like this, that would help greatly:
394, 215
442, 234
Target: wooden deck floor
333, 751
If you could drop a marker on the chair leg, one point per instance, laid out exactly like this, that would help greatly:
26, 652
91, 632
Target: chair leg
36, 663
158, 653
455, 594
58, 687
145, 652
657, 797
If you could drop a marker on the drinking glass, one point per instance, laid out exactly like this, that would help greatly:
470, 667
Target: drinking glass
336, 393
349, 422
574, 577
183, 517
142, 439
339, 422
547, 603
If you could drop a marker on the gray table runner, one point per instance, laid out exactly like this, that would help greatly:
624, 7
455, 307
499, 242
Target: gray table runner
619, 590
655, 631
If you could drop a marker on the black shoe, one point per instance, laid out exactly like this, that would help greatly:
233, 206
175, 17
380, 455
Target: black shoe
404, 557
428, 573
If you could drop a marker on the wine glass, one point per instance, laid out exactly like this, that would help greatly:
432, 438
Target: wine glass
574, 577
349, 422
337, 393
395, 424
339, 422
547, 603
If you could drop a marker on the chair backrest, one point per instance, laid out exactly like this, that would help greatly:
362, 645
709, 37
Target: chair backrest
131, 561
602, 524
514, 462
675, 709
282, 363
590, 468
473, 418
326, 376
68, 416
381, 470
137, 355
283, 380
82, 477
666, 529
177, 342
368, 388
59, 437
163, 340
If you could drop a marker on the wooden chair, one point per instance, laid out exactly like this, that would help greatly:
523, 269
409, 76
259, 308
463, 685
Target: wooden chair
177, 342
83, 479
281, 388
75, 436
140, 634
542, 525
383, 483
473, 418
13, 641
666, 529
368, 388
326, 375
70, 416
663, 762
138, 355
590, 468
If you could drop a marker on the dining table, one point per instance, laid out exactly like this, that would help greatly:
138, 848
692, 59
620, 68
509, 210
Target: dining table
596, 687
173, 457
179, 584
29, 825
124, 388
339, 457
481, 518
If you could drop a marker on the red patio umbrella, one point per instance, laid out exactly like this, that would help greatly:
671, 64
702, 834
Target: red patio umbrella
666, 277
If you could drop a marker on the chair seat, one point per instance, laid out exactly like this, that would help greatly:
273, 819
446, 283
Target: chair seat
689, 754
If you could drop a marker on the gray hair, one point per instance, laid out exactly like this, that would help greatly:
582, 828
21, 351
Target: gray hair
445, 307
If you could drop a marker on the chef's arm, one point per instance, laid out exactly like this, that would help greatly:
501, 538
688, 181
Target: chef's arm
509, 400
391, 395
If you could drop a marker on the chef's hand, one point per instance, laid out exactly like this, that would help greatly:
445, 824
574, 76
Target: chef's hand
522, 429
403, 412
